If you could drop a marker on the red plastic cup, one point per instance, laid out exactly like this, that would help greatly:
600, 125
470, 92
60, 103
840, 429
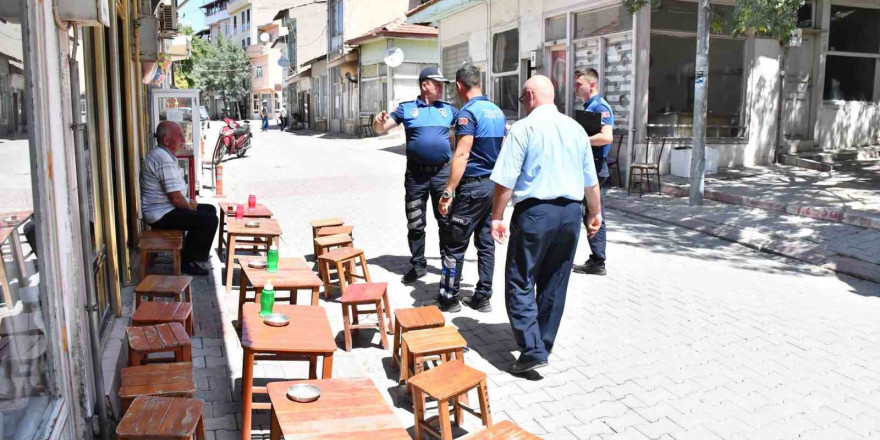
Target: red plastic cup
239, 212
252, 202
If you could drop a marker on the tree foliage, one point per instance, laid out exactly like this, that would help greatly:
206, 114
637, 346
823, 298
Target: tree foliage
222, 68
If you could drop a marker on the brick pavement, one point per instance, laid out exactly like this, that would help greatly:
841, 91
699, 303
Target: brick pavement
688, 337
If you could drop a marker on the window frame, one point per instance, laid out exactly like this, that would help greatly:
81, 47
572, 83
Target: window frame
826, 52
258, 72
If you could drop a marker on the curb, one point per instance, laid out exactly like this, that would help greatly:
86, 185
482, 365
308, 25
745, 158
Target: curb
854, 218
811, 253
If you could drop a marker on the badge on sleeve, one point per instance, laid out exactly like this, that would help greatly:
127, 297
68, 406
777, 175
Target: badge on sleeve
414, 112
443, 112
606, 114
462, 121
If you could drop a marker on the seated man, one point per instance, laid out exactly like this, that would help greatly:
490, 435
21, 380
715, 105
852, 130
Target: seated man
164, 205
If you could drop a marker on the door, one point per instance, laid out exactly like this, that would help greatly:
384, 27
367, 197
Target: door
796, 96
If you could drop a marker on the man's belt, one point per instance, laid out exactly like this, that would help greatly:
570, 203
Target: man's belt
474, 179
426, 168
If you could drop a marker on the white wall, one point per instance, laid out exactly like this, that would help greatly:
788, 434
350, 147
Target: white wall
468, 25
762, 102
848, 124
359, 16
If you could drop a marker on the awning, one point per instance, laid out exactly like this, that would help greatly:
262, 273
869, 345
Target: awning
436, 10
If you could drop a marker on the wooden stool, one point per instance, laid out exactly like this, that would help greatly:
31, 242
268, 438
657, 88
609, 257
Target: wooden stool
505, 430
164, 286
169, 380
327, 243
157, 241
419, 346
375, 294
159, 338
323, 223
161, 418
450, 381
153, 312
413, 319
339, 258
334, 230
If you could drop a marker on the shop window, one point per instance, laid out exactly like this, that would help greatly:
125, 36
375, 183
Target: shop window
506, 94
854, 30
676, 15
505, 51
601, 22
850, 78
554, 29
453, 58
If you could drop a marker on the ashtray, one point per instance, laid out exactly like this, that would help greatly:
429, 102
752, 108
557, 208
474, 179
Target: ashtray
252, 224
276, 320
303, 393
10, 219
257, 264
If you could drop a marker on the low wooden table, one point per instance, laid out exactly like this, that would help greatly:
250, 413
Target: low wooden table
269, 229
260, 211
347, 409
307, 337
293, 275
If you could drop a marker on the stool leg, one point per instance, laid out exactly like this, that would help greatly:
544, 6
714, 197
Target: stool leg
144, 258
200, 429
457, 412
315, 293
485, 414
324, 267
404, 361
347, 324
418, 412
189, 325
188, 293
341, 273
445, 426
395, 353
459, 354
187, 353
176, 256
313, 368
388, 312
230, 259
137, 300
365, 269
382, 327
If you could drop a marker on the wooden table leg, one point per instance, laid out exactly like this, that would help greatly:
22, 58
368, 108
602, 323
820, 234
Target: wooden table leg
230, 260
242, 295
313, 367
315, 292
327, 373
19, 258
7, 294
220, 234
274, 428
395, 353
247, 391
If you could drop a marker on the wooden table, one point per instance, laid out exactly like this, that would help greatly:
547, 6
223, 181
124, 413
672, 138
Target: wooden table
293, 274
9, 229
505, 430
269, 229
259, 212
306, 337
347, 409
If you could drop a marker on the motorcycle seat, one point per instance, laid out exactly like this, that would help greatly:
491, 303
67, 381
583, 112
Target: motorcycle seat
240, 131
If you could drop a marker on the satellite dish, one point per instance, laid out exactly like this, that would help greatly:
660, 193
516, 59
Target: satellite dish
264, 37
394, 57
283, 61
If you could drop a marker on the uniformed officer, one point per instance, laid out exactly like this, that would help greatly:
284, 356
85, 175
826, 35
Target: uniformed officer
546, 167
467, 200
587, 88
427, 120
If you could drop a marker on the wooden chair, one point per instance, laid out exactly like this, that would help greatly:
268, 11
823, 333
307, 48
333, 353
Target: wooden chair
344, 260
159, 338
650, 167
159, 241
168, 380
614, 162
361, 294
450, 381
505, 430
365, 126
419, 346
153, 312
163, 418
327, 243
163, 286
417, 318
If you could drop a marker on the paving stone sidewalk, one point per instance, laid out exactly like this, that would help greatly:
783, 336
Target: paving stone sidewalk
688, 337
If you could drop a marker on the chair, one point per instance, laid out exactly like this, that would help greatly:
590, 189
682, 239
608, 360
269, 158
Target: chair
168, 380
614, 162
365, 126
450, 381
651, 165
163, 418
363, 294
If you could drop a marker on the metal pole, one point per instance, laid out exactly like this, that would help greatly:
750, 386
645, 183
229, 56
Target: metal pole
701, 85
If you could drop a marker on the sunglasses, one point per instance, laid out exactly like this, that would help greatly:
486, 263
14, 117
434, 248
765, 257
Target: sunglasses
522, 98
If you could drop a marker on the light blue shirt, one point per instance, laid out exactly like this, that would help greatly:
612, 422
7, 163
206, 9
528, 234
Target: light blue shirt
546, 156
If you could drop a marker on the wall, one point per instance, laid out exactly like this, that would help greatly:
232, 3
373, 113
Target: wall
761, 103
848, 124
359, 16
311, 31
468, 25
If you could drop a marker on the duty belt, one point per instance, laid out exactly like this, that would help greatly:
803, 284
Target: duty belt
426, 168
474, 179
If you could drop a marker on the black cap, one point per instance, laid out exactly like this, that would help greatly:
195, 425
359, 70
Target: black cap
434, 74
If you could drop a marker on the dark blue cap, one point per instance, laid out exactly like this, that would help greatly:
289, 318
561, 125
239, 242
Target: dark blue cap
434, 74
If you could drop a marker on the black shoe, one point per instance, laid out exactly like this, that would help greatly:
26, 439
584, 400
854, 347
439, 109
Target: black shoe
413, 274
191, 268
520, 366
479, 303
590, 268
447, 304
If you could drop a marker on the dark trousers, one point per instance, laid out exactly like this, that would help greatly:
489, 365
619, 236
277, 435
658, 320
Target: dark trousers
597, 242
543, 239
200, 226
419, 184
471, 214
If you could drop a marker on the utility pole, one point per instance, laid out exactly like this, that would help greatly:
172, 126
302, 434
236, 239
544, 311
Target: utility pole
701, 86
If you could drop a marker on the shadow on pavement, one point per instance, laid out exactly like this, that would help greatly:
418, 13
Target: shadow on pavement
493, 342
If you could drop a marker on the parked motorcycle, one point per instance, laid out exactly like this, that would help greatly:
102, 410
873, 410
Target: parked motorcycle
234, 138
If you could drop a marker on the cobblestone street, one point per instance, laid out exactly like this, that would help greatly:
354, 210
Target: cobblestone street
687, 337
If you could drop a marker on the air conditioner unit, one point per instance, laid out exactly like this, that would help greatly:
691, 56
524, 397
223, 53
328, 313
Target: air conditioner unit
167, 15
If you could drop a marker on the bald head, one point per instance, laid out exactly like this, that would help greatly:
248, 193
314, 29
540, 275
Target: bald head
537, 91
169, 135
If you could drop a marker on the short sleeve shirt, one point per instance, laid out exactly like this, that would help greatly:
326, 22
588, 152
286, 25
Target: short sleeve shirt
598, 104
486, 122
427, 130
160, 175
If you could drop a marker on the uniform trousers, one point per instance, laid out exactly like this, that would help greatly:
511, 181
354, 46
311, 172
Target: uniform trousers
471, 215
543, 240
419, 183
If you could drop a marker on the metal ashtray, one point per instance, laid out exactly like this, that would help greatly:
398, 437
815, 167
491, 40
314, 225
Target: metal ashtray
303, 393
276, 320
257, 264
252, 224
10, 219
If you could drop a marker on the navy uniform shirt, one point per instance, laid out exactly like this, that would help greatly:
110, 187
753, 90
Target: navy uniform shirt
484, 121
427, 130
598, 104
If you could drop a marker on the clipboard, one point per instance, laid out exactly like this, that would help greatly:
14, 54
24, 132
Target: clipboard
591, 121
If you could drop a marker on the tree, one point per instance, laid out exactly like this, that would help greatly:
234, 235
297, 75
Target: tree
183, 78
224, 69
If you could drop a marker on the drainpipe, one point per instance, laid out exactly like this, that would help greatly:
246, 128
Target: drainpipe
91, 297
630, 141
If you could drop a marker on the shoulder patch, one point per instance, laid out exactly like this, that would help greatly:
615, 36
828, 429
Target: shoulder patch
462, 121
414, 112
442, 112
606, 114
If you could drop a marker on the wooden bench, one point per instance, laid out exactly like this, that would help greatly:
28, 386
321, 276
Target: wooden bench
163, 286
168, 380
450, 381
361, 294
153, 312
163, 418
159, 338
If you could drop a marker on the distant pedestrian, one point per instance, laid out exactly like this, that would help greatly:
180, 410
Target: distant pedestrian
587, 88
264, 116
427, 120
547, 168
284, 119
467, 200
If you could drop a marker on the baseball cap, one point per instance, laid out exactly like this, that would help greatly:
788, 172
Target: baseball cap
434, 74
